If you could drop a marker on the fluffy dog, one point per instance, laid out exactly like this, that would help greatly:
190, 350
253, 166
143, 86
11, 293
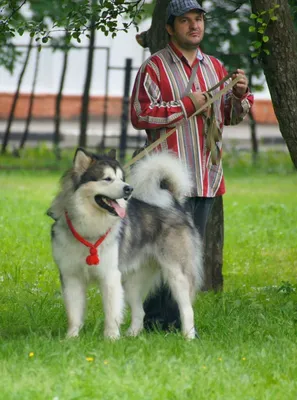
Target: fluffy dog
125, 236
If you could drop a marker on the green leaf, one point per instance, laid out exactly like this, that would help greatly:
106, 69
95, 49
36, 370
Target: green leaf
274, 18
253, 55
253, 16
257, 44
252, 29
260, 20
266, 51
265, 39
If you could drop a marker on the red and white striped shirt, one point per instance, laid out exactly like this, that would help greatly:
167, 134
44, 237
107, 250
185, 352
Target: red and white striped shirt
158, 102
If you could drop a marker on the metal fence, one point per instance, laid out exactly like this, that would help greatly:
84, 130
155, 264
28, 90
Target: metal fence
107, 134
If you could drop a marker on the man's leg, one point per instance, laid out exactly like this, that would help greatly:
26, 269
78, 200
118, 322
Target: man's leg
200, 208
161, 309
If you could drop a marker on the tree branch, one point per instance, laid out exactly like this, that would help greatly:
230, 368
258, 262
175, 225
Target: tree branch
15, 11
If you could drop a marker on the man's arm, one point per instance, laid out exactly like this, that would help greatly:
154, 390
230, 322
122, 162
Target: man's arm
238, 101
148, 110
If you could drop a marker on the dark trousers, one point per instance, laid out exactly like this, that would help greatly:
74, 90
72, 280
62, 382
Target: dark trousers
161, 308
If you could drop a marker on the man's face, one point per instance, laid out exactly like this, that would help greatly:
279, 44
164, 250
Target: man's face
188, 30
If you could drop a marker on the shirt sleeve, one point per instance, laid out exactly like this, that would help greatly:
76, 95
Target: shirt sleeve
235, 108
148, 109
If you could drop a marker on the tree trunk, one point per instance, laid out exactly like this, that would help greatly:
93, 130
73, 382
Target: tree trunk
155, 39
253, 125
280, 69
15, 100
57, 133
86, 95
32, 96
156, 36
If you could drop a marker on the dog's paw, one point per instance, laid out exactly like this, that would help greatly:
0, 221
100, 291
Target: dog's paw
190, 334
72, 332
112, 334
133, 332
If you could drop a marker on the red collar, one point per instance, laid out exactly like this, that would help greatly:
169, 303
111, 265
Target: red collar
93, 258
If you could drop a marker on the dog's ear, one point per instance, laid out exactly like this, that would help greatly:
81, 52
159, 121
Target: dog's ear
112, 154
82, 161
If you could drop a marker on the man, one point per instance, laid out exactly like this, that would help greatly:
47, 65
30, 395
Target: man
162, 100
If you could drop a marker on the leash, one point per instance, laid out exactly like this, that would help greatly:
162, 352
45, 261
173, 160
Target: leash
211, 120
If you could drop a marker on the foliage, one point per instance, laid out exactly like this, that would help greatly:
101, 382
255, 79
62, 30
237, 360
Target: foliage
293, 5
227, 24
42, 19
227, 36
238, 163
235, 162
262, 21
9, 54
247, 347
148, 9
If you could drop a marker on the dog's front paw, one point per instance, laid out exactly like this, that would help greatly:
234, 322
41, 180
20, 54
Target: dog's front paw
112, 334
73, 332
132, 331
190, 334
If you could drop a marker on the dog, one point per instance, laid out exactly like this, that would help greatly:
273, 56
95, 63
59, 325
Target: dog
128, 237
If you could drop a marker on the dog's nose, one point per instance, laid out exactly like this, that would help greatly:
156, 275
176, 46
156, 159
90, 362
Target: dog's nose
128, 190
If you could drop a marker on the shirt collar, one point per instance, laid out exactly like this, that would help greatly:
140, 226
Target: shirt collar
177, 55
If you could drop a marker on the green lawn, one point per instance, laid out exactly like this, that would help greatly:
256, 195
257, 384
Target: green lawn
248, 334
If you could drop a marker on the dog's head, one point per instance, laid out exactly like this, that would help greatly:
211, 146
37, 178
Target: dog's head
99, 181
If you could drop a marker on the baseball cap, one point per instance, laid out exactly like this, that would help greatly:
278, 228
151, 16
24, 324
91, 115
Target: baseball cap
176, 8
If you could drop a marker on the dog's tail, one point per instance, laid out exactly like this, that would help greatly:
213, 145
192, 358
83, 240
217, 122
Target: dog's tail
159, 178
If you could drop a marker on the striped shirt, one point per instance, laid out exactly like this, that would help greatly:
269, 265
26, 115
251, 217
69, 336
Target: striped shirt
159, 102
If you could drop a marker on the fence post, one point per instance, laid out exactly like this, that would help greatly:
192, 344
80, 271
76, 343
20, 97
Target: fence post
125, 109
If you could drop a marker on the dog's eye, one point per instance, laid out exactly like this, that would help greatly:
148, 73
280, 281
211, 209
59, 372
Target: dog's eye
108, 179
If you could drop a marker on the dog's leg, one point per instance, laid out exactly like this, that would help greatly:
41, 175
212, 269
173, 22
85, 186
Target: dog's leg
136, 286
113, 302
74, 292
180, 288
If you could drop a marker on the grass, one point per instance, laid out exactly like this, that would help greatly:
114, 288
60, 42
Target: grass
247, 348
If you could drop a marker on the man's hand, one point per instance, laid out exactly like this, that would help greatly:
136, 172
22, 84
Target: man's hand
198, 98
241, 86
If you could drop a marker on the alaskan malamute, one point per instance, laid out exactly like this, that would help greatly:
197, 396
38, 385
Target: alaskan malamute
125, 240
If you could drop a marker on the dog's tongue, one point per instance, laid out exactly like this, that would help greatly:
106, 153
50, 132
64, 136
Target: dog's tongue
118, 209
